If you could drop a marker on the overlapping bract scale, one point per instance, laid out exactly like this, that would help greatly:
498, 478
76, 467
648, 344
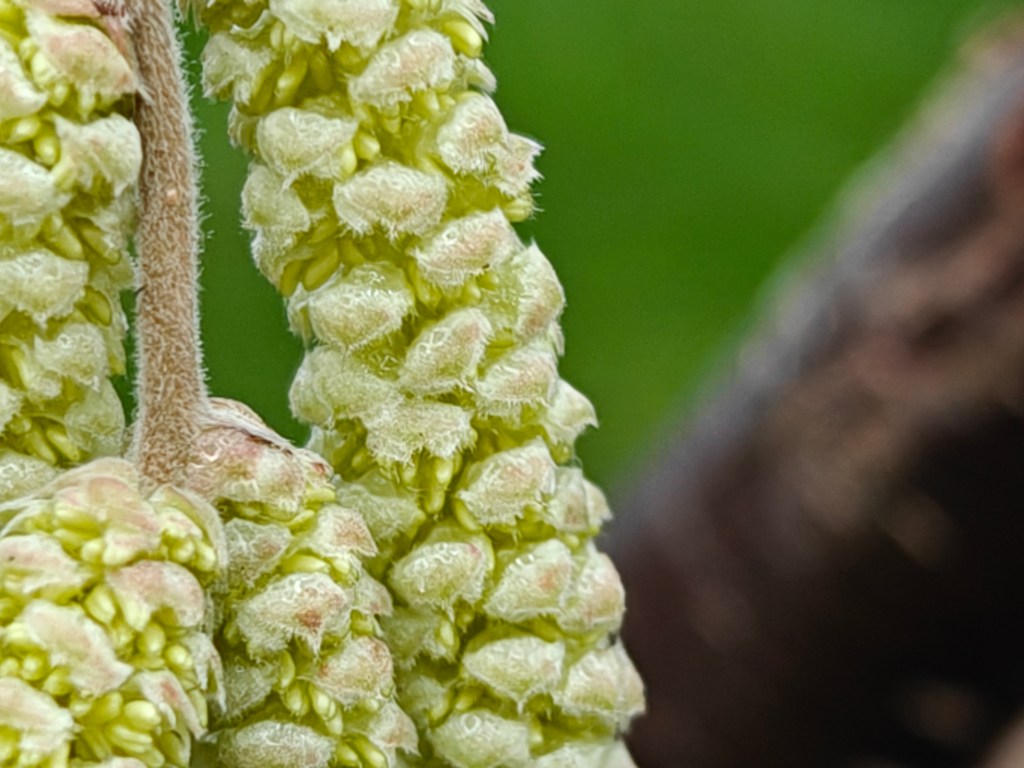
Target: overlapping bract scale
431, 378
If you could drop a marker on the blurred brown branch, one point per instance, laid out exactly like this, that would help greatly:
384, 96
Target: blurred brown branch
827, 569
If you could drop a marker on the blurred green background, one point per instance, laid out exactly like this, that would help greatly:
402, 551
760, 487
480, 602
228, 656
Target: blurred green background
688, 144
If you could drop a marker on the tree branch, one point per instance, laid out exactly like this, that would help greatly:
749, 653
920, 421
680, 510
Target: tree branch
825, 570
171, 386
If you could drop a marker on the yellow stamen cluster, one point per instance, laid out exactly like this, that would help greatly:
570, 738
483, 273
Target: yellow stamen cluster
105, 657
382, 196
308, 679
69, 160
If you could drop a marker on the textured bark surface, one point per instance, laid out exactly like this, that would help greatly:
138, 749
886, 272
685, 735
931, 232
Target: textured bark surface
826, 569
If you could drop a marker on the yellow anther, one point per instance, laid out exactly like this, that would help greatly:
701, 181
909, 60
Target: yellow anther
344, 569
366, 145
320, 70
59, 94
96, 742
47, 147
363, 625
351, 254
198, 700
56, 683
64, 174
361, 460
128, 739
134, 612
95, 239
335, 725
71, 516
174, 748
290, 80
465, 519
285, 671
121, 636
465, 39
36, 444
152, 640
183, 552
263, 90
290, 277
519, 209
435, 500
444, 470
305, 564
447, 636
10, 667
427, 103
321, 702
440, 710
295, 701
321, 267
97, 306
349, 160
178, 658
206, 558
321, 494
372, 756
466, 699
25, 129
426, 292
34, 667
325, 228
471, 293
345, 755
348, 56
92, 551
62, 239
9, 608
142, 715
153, 758
100, 604
408, 473
59, 439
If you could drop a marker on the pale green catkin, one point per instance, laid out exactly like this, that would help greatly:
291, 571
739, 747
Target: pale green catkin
69, 161
308, 680
382, 194
105, 656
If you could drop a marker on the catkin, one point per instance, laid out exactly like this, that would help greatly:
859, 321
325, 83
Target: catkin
308, 680
69, 162
382, 194
105, 656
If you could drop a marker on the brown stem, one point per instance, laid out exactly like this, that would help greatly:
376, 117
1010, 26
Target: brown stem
172, 391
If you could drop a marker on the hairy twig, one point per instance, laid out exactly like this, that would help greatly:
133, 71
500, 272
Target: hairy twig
171, 386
